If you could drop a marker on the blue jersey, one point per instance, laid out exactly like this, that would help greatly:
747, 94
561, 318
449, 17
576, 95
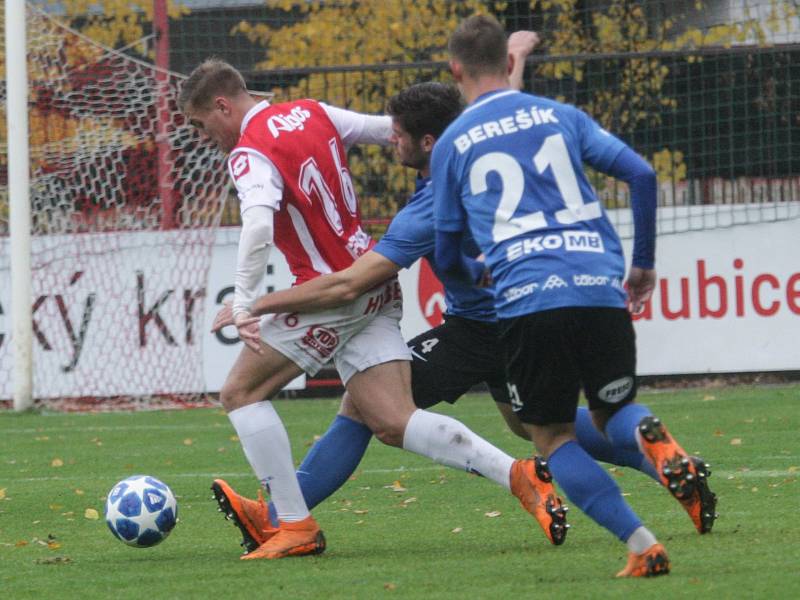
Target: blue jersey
510, 169
411, 236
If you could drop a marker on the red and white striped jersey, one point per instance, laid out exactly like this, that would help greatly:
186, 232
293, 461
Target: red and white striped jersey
291, 158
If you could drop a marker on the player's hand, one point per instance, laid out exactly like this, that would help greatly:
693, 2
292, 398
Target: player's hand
641, 283
522, 43
224, 317
249, 331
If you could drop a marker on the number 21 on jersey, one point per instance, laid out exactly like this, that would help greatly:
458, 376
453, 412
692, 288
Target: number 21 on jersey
553, 155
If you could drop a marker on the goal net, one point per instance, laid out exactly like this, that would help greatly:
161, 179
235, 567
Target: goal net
125, 202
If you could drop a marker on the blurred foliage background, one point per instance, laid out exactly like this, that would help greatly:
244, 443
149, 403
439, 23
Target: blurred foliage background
704, 89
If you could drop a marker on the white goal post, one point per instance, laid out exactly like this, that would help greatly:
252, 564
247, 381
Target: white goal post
114, 206
19, 201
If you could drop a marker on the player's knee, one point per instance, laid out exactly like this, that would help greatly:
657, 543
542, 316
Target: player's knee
390, 434
232, 396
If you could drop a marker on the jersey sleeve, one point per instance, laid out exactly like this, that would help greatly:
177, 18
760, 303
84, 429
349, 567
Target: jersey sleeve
407, 239
258, 182
358, 128
448, 212
599, 148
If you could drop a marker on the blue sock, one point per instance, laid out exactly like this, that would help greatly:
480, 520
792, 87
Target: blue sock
589, 487
600, 448
621, 427
331, 461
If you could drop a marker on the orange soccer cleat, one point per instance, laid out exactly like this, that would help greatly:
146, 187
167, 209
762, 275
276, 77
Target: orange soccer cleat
686, 477
250, 516
532, 484
650, 563
298, 538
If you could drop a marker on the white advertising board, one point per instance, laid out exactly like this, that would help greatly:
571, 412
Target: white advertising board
115, 313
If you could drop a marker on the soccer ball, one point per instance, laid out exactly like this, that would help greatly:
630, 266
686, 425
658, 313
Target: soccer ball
141, 511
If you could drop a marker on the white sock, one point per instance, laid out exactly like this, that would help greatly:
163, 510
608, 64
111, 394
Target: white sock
641, 540
266, 446
451, 443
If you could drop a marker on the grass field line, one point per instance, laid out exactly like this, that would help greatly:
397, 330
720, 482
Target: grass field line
717, 475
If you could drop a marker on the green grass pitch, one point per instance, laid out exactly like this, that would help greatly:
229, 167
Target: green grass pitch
438, 533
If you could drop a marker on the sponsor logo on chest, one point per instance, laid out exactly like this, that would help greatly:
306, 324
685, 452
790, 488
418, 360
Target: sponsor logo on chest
294, 120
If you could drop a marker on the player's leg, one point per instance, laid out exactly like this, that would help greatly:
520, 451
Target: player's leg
332, 459
377, 377
449, 360
544, 374
253, 378
587, 434
631, 427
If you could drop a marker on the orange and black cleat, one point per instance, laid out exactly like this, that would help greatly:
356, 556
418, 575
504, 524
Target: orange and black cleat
298, 538
686, 477
650, 563
250, 516
532, 484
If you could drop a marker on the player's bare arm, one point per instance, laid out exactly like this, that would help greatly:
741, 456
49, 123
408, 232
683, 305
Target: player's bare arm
520, 45
328, 291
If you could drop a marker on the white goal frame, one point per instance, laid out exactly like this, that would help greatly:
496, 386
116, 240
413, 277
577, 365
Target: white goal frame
19, 202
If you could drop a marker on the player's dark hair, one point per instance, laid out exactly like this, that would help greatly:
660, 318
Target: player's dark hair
213, 77
426, 108
480, 44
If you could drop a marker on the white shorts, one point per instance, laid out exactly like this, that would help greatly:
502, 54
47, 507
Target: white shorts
357, 336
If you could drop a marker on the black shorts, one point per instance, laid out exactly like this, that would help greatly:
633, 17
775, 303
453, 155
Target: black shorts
450, 359
551, 355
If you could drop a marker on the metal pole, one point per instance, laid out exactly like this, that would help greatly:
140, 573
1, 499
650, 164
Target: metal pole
19, 202
165, 176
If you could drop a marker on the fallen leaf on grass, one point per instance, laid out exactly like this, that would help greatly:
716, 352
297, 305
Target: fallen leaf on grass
409, 500
188, 442
736, 442
793, 469
390, 586
360, 512
708, 398
79, 492
57, 462
53, 560
396, 487
56, 506
21, 543
2, 493
492, 514
91, 514
457, 530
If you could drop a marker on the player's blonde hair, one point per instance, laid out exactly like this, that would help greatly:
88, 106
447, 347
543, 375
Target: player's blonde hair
213, 77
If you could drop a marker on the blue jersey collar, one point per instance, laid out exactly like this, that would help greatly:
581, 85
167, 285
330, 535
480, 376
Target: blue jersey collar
489, 96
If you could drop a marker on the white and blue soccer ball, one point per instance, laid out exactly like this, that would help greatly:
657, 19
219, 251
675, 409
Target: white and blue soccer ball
141, 511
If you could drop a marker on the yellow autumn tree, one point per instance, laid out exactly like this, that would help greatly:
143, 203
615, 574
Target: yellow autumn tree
363, 32
630, 92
